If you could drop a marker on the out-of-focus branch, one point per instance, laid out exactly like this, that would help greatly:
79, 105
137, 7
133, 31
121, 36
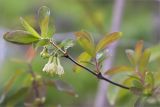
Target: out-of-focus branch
35, 84
156, 21
101, 100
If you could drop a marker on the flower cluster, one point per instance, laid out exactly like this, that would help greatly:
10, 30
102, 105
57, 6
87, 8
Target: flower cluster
53, 66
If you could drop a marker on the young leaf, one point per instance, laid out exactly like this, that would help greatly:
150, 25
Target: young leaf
137, 84
20, 37
51, 31
144, 59
149, 78
138, 49
136, 91
149, 83
82, 57
67, 44
44, 14
16, 97
101, 56
119, 69
131, 56
42, 42
108, 39
8, 86
29, 28
129, 81
155, 53
86, 42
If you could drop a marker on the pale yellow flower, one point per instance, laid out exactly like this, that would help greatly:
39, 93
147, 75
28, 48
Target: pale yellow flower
53, 66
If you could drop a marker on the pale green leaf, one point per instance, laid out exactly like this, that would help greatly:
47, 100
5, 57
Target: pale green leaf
29, 28
107, 40
137, 84
138, 49
86, 42
131, 56
119, 69
7, 87
144, 59
20, 37
149, 83
82, 57
17, 97
67, 44
155, 52
42, 42
44, 14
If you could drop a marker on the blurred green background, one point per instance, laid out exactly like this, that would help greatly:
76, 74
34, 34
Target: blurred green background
70, 16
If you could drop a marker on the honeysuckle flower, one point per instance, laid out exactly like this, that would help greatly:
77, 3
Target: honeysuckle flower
53, 66
60, 70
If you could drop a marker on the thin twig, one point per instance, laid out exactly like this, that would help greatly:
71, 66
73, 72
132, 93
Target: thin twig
35, 85
98, 75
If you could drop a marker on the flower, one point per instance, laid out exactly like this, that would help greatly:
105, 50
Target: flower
53, 66
60, 70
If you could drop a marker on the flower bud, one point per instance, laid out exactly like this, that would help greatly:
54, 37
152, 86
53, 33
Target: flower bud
44, 53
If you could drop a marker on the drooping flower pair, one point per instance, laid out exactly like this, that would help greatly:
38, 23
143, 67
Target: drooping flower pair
53, 66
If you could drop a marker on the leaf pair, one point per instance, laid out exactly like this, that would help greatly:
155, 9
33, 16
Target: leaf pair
138, 57
87, 43
92, 50
30, 35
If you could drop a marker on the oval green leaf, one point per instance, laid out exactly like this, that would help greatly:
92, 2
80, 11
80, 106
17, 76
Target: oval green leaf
86, 42
119, 69
44, 14
108, 39
144, 59
20, 37
82, 57
29, 28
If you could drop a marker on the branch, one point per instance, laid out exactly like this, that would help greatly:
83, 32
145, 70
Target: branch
35, 85
98, 75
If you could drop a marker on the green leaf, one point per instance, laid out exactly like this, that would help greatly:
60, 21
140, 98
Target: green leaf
137, 84
136, 91
86, 42
138, 49
16, 97
44, 14
29, 28
20, 37
129, 81
118, 69
8, 86
51, 31
82, 57
155, 52
67, 44
149, 83
131, 56
101, 56
88, 63
42, 42
144, 59
108, 39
